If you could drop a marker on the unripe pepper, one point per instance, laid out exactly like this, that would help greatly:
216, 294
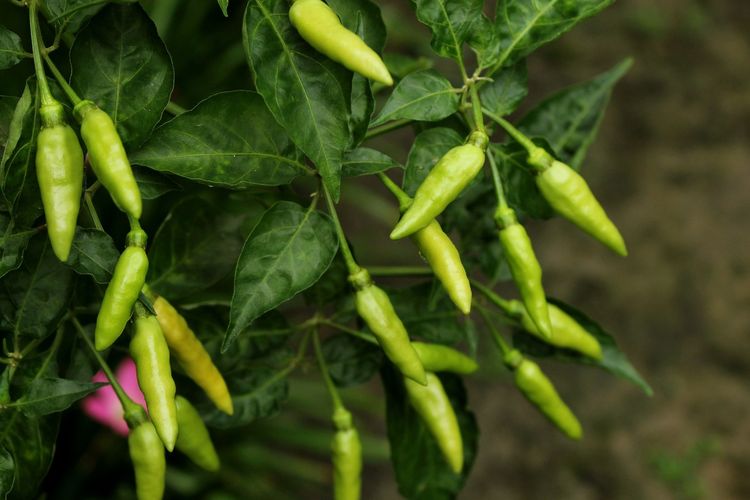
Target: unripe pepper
151, 355
566, 332
433, 406
443, 257
441, 358
569, 194
537, 388
448, 178
59, 172
147, 455
346, 451
319, 25
439, 252
375, 308
193, 439
108, 158
525, 268
127, 280
191, 355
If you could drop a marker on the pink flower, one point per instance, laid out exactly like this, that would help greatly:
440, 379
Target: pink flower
103, 405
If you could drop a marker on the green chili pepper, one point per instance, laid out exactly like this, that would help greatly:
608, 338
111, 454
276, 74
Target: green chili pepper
108, 158
569, 194
439, 252
151, 355
147, 455
443, 257
123, 290
566, 332
537, 388
525, 268
347, 457
433, 406
375, 308
319, 25
193, 439
441, 358
59, 171
191, 355
452, 173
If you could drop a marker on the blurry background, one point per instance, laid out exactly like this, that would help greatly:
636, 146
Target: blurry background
671, 167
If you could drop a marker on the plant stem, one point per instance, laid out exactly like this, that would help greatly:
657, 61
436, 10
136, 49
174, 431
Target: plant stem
493, 297
499, 340
174, 108
400, 271
130, 407
92, 210
61, 80
476, 105
351, 264
502, 203
538, 157
350, 331
41, 77
387, 127
335, 398
404, 200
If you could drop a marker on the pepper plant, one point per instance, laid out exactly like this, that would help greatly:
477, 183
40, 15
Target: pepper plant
201, 233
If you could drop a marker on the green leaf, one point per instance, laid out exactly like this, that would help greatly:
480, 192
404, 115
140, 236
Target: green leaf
7, 107
354, 12
35, 296
400, 65
424, 95
451, 22
17, 168
48, 395
223, 5
93, 254
429, 146
613, 361
30, 443
13, 128
507, 89
257, 392
13, 244
362, 101
428, 313
153, 185
287, 252
522, 26
199, 242
300, 87
366, 161
70, 15
119, 62
570, 118
229, 139
331, 285
350, 360
11, 49
421, 471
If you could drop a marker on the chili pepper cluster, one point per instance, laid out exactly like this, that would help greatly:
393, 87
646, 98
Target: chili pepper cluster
160, 334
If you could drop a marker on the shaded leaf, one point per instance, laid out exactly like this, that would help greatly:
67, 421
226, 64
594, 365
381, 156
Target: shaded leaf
13, 244
93, 254
451, 22
569, 119
351, 360
507, 89
229, 139
299, 86
51, 395
11, 49
151, 184
199, 242
119, 62
287, 252
423, 95
366, 161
